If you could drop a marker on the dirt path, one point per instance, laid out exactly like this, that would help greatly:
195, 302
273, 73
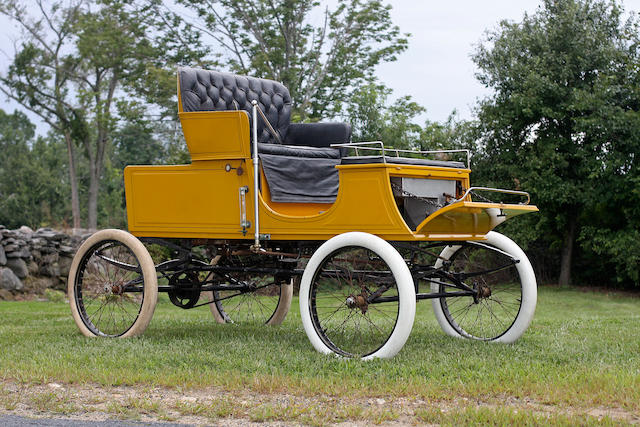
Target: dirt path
212, 405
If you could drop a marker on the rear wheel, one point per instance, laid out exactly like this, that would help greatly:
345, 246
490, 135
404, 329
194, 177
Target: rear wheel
505, 290
357, 297
112, 285
267, 303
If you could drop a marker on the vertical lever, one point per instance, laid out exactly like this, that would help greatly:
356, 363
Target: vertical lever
256, 170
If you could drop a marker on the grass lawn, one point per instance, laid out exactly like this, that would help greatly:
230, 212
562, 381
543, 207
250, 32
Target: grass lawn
579, 362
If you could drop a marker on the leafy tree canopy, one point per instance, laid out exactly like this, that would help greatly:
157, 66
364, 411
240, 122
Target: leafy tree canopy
373, 119
563, 120
32, 175
320, 64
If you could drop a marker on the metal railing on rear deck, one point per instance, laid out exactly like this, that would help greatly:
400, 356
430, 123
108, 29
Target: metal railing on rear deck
384, 151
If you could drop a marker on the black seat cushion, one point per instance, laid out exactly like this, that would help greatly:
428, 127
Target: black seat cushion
318, 134
300, 151
205, 90
402, 161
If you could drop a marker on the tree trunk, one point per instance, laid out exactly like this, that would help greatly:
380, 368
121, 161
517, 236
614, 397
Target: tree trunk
73, 179
94, 183
567, 251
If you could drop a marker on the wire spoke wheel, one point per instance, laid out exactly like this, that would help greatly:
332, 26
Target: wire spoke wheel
341, 313
108, 289
493, 310
357, 297
264, 302
256, 299
504, 291
112, 290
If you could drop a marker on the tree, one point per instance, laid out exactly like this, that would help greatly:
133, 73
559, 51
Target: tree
113, 48
453, 133
319, 64
79, 62
16, 131
32, 175
372, 119
562, 117
39, 77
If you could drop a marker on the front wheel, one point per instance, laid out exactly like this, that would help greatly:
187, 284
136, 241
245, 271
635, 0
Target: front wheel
112, 286
357, 297
504, 287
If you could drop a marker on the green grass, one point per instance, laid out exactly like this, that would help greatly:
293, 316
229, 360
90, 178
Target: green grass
582, 351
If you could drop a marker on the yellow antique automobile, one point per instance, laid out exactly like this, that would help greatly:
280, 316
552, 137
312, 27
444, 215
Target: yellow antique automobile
366, 230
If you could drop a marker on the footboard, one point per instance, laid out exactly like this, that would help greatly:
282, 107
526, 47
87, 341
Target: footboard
469, 220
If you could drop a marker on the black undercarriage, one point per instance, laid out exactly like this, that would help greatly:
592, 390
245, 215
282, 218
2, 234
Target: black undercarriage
191, 267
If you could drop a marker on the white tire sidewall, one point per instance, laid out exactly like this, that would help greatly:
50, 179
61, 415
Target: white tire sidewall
528, 288
148, 270
284, 303
278, 315
400, 271
446, 253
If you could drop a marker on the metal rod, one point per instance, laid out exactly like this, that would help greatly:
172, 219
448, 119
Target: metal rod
425, 296
496, 190
241, 269
271, 129
444, 295
256, 171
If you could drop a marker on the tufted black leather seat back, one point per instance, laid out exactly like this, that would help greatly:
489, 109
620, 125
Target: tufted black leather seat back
204, 90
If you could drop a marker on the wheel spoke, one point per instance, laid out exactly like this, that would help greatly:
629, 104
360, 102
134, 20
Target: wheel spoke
495, 278
104, 306
341, 315
258, 303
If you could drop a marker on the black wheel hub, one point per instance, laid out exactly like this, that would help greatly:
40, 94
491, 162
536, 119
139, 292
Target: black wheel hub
185, 289
481, 291
358, 301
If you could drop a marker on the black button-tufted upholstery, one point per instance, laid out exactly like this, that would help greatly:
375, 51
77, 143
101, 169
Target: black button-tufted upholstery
302, 171
204, 90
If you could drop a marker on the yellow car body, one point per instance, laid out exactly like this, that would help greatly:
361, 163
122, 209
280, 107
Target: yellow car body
201, 200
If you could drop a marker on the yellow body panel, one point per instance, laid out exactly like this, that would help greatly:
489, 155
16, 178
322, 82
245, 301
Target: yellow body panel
201, 200
185, 201
213, 135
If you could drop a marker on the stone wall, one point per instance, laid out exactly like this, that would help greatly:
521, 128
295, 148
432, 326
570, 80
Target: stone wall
33, 261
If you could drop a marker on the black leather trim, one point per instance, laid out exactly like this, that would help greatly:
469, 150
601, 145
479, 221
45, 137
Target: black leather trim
402, 161
302, 152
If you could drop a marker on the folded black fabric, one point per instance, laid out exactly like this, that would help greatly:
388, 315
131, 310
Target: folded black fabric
301, 179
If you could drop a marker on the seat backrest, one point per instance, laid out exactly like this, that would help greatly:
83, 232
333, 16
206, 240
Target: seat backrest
205, 90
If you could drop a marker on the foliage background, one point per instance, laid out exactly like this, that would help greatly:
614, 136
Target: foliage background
562, 120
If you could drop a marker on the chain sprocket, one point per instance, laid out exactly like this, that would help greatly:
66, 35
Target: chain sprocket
184, 289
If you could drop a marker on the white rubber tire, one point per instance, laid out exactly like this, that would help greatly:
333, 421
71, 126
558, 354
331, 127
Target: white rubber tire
279, 314
528, 288
404, 281
148, 270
